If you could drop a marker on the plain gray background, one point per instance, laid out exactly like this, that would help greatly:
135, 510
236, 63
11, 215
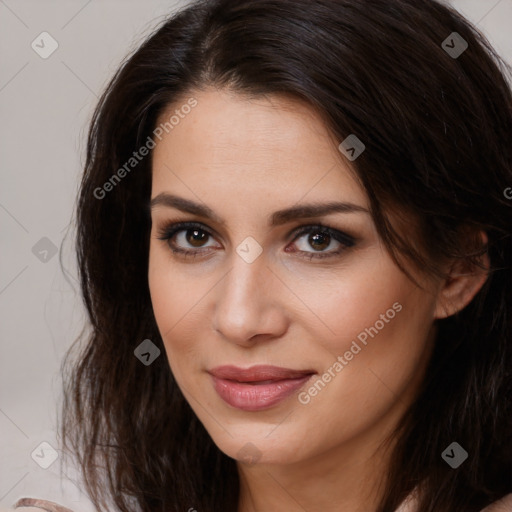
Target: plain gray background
45, 106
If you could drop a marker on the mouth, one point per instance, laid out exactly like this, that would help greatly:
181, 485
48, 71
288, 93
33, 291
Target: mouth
259, 387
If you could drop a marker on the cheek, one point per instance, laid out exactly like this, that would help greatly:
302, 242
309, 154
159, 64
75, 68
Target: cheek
178, 299
378, 321
163, 293
169, 295
350, 299
382, 336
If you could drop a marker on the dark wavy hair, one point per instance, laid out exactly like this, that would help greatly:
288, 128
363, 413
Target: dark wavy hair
437, 131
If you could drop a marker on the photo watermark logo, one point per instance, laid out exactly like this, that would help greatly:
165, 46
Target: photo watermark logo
304, 397
143, 151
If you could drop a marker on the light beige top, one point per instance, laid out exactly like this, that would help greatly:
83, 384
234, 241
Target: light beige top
503, 505
38, 505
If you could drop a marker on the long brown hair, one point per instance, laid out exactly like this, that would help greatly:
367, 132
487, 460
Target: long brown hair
437, 130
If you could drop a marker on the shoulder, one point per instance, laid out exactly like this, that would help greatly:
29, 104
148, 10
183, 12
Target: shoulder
38, 505
503, 505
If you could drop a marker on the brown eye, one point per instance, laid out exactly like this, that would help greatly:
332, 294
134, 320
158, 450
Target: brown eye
186, 238
319, 241
196, 237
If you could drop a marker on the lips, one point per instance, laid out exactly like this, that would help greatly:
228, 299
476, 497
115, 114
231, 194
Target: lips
260, 373
258, 387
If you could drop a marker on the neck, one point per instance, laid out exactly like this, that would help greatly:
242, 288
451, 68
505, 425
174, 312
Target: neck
350, 477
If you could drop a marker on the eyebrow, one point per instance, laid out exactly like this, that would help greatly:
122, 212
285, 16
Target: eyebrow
277, 218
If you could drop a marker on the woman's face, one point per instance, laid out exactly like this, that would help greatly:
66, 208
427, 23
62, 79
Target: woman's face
351, 332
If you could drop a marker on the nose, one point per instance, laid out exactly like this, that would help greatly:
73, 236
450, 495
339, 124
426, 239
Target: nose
248, 305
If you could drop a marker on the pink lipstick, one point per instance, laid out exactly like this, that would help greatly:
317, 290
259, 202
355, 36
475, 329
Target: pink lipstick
259, 387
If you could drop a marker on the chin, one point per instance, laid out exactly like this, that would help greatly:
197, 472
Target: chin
251, 447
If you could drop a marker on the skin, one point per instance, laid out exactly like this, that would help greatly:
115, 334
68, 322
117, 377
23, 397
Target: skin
245, 159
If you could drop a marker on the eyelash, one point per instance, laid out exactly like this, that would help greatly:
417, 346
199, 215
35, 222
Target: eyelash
168, 231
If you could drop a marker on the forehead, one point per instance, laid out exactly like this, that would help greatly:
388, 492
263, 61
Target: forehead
259, 148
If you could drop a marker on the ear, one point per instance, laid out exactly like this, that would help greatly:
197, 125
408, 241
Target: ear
462, 284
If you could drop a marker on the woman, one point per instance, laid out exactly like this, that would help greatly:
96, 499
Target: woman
294, 242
